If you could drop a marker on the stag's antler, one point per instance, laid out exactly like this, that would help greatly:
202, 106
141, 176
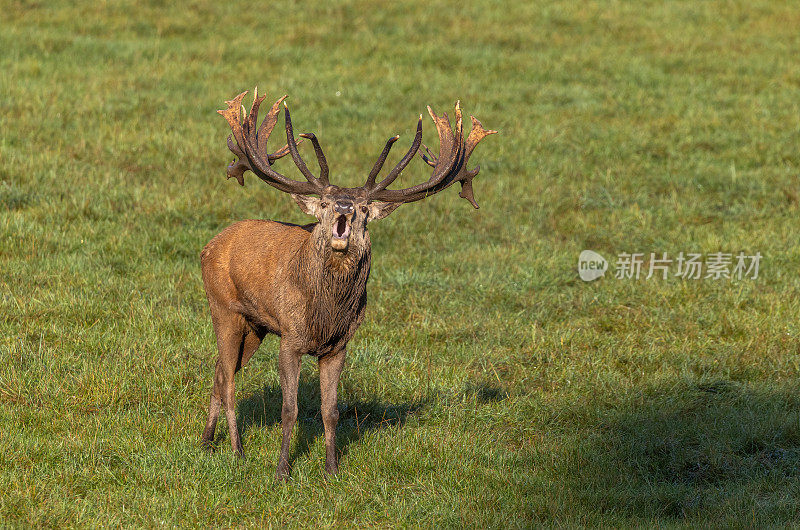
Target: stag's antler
448, 167
250, 147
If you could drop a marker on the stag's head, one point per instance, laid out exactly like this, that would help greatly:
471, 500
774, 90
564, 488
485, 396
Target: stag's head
343, 213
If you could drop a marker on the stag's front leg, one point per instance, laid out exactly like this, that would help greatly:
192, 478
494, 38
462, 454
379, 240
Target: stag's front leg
289, 372
330, 368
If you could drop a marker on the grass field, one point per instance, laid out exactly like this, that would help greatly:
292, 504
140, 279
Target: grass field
489, 385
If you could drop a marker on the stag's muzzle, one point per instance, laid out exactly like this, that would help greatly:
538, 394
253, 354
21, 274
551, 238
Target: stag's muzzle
341, 226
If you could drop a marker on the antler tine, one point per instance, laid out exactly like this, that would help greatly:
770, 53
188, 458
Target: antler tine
250, 145
379, 163
323, 163
265, 131
403, 161
282, 152
448, 167
298, 161
237, 168
430, 159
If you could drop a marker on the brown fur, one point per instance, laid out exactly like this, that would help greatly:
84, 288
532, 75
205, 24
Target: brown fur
269, 277
282, 279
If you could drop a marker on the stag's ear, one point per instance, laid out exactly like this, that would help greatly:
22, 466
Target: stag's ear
309, 205
379, 210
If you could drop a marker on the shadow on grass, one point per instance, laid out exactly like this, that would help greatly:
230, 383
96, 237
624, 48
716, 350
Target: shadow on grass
356, 418
485, 392
690, 450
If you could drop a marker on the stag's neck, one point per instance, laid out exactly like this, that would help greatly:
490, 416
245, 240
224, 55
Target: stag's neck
335, 277
335, 284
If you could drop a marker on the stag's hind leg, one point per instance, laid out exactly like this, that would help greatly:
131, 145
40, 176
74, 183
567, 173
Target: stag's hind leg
236, 344
213, 415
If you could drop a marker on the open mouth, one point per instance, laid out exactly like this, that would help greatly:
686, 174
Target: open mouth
341, 231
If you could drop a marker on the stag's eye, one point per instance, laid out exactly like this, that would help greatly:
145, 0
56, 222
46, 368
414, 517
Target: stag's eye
364, 209
323, 205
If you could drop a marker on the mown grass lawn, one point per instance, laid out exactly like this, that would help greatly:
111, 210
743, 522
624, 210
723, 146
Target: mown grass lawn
489, 386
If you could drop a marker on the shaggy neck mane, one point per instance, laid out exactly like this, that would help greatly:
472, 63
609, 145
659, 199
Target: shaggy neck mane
336, 283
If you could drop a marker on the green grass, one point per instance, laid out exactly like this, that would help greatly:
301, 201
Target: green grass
489, 386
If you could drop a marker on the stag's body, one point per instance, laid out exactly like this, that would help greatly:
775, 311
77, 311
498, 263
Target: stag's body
306, 284
268, 277
281, 279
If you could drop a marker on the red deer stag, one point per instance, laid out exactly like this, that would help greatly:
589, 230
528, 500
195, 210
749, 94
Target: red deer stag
306, 284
